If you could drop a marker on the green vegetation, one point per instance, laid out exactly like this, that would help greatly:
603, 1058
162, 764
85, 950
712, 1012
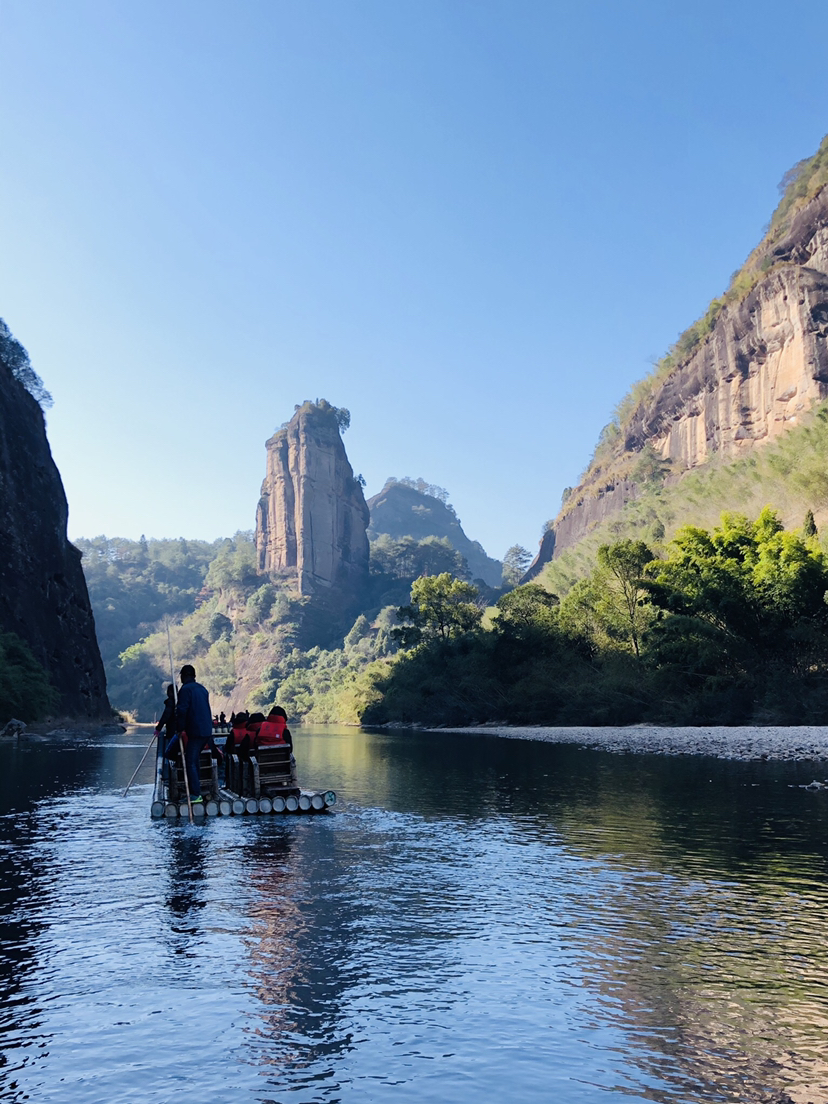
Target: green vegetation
25, 690
240, 629
16, 358
441, 609
721, 625
134, 585
515, 563
726, 625
791, 472
408, 558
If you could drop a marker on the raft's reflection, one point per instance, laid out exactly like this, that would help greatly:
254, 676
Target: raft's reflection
297, 948
184, 896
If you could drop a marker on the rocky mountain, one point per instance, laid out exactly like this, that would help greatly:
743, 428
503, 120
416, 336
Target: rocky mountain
43, 597
312, 518
401, 510
738, 379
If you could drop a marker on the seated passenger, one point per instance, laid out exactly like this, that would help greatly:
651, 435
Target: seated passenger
253, 723
238, 741
274, 731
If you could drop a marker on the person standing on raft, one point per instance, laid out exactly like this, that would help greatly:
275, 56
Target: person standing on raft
195, 718
167, 719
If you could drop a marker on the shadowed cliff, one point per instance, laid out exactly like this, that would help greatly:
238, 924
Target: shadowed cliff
43, 596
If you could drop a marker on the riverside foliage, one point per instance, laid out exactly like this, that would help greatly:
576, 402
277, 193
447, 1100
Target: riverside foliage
727, 625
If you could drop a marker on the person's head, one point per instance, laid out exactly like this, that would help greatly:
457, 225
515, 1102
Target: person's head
187, 673
277, 711
171, 691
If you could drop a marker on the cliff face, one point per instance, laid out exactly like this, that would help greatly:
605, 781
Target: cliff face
43, 596
312, 518
764, 363
402, 511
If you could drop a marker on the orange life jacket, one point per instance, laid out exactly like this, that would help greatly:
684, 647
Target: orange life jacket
271, 732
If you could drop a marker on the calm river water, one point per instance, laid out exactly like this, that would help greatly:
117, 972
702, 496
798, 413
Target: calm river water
478, 918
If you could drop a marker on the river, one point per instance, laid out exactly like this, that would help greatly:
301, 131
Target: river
477, 918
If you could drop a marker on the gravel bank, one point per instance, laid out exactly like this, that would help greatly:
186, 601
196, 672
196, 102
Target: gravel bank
799, 742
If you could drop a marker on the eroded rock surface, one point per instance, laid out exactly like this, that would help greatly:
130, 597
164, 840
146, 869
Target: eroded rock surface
312, 518
764, 364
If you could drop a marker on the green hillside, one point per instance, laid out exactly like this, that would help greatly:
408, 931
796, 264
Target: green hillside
790, 475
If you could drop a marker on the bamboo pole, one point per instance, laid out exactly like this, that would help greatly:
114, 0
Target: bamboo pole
143, 757
186, 779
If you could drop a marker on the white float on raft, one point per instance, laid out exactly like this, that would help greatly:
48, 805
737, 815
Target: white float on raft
308, 801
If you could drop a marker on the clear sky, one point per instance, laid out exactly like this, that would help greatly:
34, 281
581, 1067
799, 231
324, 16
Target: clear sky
472, 222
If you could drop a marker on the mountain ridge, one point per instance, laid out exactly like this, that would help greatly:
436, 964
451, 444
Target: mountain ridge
745, 373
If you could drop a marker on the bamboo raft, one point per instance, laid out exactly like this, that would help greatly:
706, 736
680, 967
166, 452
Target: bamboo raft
265, 782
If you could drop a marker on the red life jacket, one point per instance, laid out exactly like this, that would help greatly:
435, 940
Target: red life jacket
239, 733
271, 732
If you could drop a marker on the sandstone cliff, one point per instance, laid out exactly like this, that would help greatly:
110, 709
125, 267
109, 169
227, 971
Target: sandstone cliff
312, 518
761, 363
43, 596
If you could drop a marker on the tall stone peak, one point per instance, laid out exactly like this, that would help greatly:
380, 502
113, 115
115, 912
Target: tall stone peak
43, 597
312, 518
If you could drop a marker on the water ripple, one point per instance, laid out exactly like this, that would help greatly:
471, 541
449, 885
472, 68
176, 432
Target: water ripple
538, 923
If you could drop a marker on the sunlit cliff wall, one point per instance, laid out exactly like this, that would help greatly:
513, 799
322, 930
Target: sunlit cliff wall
312, 518
761, 366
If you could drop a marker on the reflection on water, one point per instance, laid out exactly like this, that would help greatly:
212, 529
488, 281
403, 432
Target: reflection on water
478, 917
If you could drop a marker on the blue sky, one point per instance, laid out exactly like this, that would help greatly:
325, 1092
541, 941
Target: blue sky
473, 223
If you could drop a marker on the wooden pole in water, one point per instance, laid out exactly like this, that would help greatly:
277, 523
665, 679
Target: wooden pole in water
143, 757
180, 741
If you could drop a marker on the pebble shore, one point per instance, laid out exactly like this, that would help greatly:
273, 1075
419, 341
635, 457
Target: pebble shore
722, 742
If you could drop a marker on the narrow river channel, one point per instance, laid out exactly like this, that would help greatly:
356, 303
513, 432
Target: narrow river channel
476, 919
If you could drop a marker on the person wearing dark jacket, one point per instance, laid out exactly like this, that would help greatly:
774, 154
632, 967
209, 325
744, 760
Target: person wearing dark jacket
195, 718
167, 720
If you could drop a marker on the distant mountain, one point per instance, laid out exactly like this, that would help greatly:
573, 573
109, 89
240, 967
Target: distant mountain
403, 509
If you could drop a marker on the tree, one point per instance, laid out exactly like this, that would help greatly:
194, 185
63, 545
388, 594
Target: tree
760, 588
442, 608
809, 528
626, 561
407, 558
528, 612
16, 358
25, 689
219, 627
436, 555
515, 562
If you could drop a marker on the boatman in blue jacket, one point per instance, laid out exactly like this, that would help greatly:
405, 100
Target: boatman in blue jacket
194, 717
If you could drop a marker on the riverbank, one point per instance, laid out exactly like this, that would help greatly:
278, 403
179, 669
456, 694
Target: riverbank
722, 742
